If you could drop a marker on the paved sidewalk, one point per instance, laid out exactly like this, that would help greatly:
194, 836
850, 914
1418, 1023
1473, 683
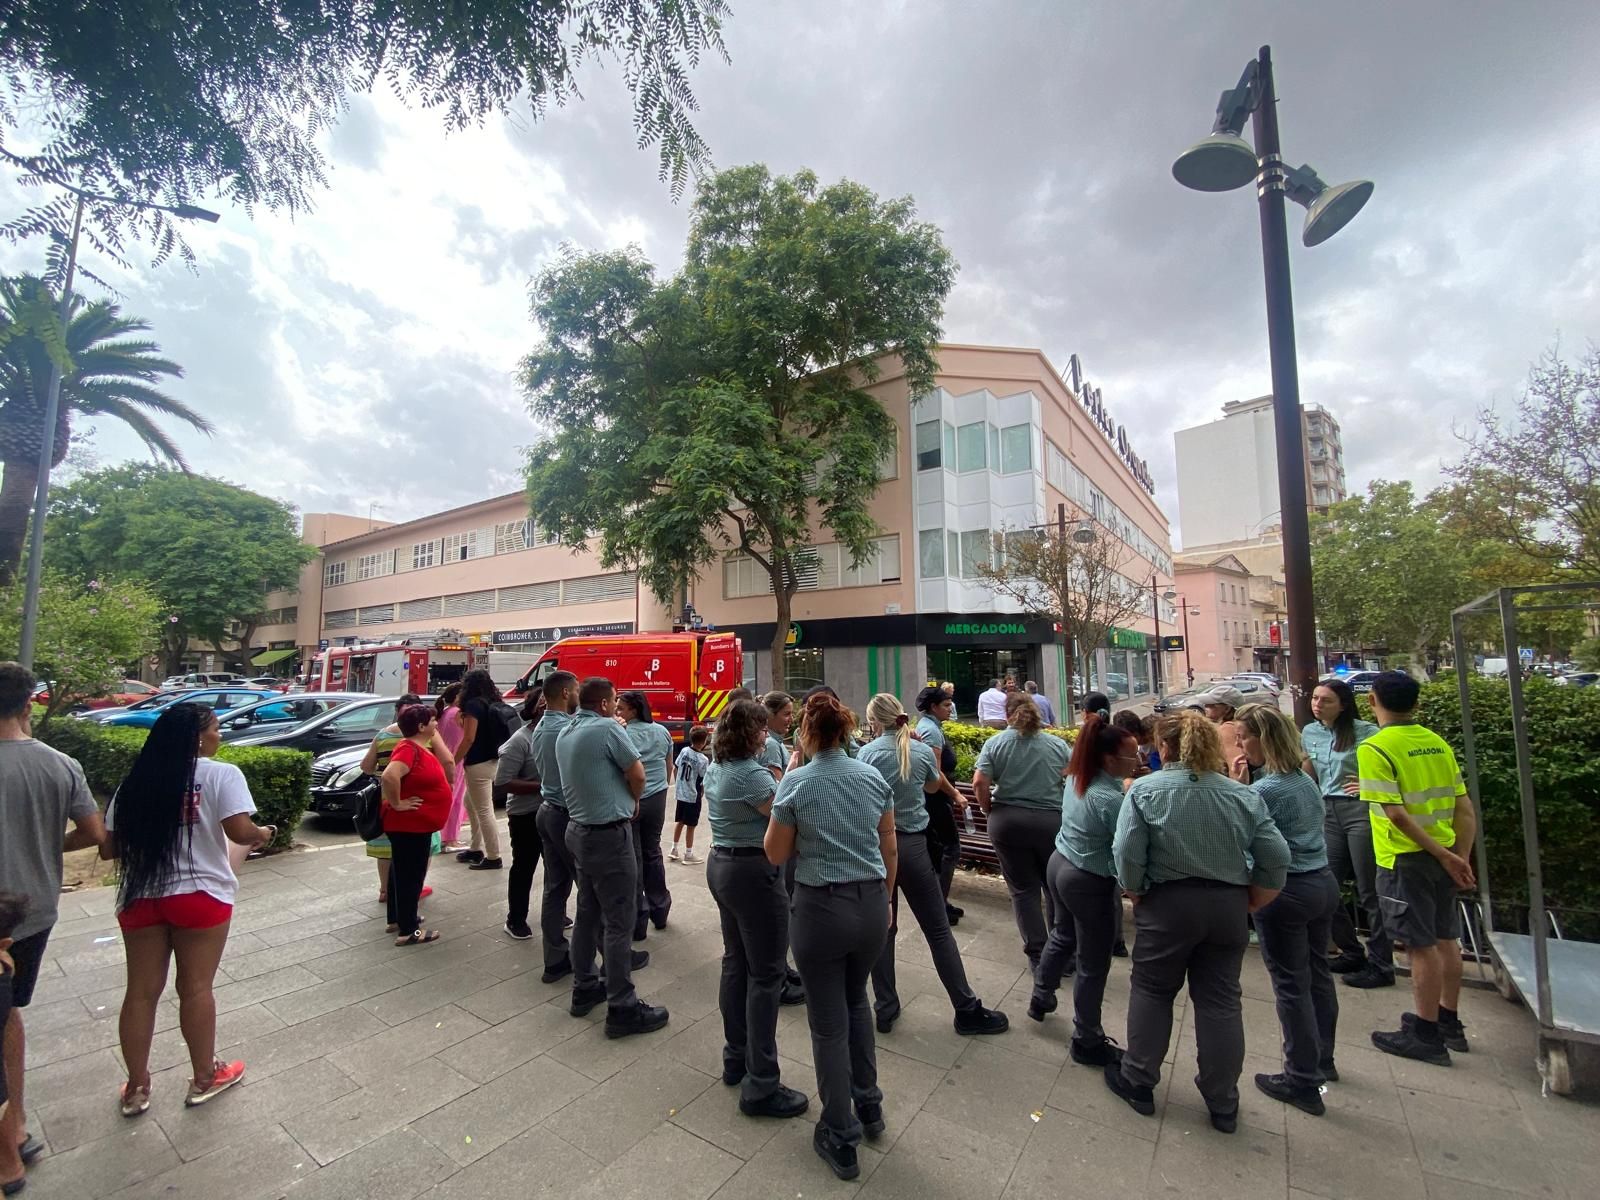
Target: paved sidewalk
451, 1072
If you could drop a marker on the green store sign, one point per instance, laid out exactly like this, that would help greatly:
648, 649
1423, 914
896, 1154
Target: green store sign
971, 629
1126, 639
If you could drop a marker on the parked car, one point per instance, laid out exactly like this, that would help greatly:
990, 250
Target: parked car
351, 724
278, 712
1253, 690
129, 691
1270, 680
337, 782
275, 682
1360, 681
200, 679
1578, 679
222, 699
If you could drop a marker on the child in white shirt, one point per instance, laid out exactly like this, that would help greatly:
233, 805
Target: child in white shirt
692, 764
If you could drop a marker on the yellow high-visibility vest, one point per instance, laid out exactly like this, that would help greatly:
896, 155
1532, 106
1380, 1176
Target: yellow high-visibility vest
1410, 765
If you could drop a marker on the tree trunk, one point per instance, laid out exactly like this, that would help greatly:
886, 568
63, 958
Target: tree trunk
172, 653
16, 506
780, 633
1066, 684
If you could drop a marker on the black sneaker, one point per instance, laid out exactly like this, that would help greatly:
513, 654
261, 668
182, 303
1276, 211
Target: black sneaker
1096, 1052
1330, 1073
639, 961
1404, 1043
641, 927
978, 1021
1345, 964
660, 918
871, 1118
1141, 1099
1453, 1034
841, 1159
519, 930
785, 1102
1041, 1005
1306, 1099
792, 994
586, 1000
560, 971
1225, 1122
486, 864
954, 914
470, 856
886, 1020
641, 1018
733, 1074
1368, 976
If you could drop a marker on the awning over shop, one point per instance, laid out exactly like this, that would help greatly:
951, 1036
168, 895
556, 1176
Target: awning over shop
267, 657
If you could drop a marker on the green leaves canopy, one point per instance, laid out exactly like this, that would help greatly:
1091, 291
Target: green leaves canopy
210, 550
724, 408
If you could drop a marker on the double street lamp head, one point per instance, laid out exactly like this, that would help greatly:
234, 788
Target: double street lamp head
1328, 209
1220, 163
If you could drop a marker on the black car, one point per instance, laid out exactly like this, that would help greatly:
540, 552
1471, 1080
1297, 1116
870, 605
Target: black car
275, 714
337, 782
353, 724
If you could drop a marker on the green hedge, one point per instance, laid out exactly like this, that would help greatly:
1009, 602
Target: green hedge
968, 740
280, 780
1563, 725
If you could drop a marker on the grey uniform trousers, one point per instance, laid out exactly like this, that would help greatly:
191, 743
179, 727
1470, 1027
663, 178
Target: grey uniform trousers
1347, 828
560, 876
918, 881
1024, 839
838, 932
654, 898
608, 884
1294, 939
1088, 919
754, 906
1192, 929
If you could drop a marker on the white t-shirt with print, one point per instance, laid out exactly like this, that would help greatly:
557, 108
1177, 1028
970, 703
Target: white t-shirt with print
220, 792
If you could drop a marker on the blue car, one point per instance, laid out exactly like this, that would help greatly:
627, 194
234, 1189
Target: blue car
221, 699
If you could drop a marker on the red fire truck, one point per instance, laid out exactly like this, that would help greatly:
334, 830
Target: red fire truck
424, 663
686, 676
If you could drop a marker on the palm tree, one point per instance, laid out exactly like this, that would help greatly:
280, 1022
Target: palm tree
111, 375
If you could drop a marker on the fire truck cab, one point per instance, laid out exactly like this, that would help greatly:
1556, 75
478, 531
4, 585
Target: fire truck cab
424, 663
686, 676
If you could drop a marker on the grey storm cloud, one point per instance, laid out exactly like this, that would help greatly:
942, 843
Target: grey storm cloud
366, 352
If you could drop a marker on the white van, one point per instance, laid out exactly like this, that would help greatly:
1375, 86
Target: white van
1493, 668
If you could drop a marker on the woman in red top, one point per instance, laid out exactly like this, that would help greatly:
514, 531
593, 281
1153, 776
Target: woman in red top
416, 800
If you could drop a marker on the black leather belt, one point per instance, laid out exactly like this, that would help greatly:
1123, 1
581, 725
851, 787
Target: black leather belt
739, 851
608, 825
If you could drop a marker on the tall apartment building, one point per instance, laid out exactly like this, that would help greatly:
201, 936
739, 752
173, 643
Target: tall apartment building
1228, 472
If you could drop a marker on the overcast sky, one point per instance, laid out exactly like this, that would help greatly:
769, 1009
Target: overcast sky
364, 354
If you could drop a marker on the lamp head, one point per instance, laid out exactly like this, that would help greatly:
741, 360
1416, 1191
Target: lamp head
1328, 209
1083, 534
193, 212
1220, 163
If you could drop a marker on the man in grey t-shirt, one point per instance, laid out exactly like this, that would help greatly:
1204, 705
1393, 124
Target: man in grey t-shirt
40, 791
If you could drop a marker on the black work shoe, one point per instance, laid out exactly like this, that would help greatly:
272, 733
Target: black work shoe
1096, 1052
978, 1020
641, 927
886, 1020
1041, 1005
785, 1102
1120, 950
792, 994
639, 961
1141, 1099
1306, 1099
954, 914
486, 864
1345, 964
871, 1118
660, 918
640, 1018
841, 1159
1454, 1034
1368, 976
1404, 1043
732, 1075
1330, 1073
470, 856
560, 971
519, 930
1225, 1122
586, 1000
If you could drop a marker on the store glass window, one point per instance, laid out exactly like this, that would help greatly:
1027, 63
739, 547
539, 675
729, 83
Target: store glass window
928, 458
1016, 449
971, 449
802, 670
1139, 673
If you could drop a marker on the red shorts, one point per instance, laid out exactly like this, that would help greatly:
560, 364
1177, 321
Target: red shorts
188, 910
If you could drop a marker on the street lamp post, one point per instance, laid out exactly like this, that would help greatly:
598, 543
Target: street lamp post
1155, 615
1188, 654
52, 407
1224, 161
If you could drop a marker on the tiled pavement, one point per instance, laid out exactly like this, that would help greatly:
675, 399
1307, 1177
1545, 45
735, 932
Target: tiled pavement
451, 1071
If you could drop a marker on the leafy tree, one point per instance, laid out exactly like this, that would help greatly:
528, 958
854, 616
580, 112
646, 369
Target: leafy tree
167, 101
108, 371
725, 409
210, 550
1071, 573
90, 634
1534, 477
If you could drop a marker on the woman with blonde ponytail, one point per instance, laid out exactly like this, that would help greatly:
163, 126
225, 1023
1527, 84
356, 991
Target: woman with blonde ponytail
911, 771
1197, 851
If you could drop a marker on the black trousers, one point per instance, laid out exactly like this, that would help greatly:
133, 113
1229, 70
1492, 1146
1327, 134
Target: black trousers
838, 932
944, 840
1294, 931
919, 884
1347, 829
560, 876
1024, 839
408, 870
654, 899
526, 848
754, 908
1088, 913
608, 887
